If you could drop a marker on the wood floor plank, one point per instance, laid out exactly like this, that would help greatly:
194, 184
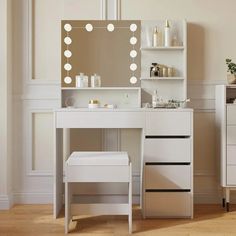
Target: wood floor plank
37, 220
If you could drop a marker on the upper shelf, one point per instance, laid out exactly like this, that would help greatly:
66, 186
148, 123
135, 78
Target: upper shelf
179, 48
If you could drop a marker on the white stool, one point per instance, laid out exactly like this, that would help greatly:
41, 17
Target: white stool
98, 167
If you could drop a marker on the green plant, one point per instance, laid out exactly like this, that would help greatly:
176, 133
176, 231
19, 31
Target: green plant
231, 66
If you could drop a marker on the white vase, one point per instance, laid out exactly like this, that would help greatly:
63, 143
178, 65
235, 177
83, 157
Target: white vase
231, 78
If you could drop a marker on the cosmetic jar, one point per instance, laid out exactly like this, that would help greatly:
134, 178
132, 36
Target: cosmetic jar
93, 104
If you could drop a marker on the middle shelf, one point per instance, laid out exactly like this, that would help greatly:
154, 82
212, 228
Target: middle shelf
163, 78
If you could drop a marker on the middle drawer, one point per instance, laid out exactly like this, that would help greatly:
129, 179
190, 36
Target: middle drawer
167, 150
168, 177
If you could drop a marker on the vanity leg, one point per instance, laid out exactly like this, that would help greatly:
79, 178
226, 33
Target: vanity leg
223, 199
223, 202
227, 199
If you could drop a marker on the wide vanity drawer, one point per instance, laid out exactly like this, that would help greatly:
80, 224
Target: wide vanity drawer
168, 177
165, 204
231, 154
167, 150
168, 123
231, 114
99, 119
231, 174
231, 134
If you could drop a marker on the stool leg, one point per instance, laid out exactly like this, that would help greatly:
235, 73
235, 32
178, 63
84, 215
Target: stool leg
130, 200
67, 207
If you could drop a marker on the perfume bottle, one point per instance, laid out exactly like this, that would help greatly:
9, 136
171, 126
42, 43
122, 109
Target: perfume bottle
167, 34
154, 70
154, 99
155, 37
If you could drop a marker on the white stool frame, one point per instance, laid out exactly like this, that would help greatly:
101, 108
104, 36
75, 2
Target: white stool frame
99, 173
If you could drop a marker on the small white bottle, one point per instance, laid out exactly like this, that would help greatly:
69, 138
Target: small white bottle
155, 37
154, 99
79, 80
167, 39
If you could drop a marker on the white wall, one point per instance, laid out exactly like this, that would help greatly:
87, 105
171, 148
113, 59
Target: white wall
36, 81
5, 104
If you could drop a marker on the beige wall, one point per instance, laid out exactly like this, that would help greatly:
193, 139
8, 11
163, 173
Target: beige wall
211, 38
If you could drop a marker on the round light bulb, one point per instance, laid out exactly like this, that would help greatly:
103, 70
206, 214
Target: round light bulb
67, 80
89, 27
133, 27
67, 27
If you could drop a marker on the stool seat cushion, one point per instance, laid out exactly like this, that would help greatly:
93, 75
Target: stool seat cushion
98, 158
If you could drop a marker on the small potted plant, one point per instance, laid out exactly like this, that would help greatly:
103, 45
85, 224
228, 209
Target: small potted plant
232, 69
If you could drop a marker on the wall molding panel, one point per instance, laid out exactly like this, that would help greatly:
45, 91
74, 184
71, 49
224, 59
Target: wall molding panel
6, 201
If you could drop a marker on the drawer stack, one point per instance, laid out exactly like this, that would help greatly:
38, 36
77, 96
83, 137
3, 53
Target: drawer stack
231, 145
168, 173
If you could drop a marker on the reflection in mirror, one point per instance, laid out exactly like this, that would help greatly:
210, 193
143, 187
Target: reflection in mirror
67, 40
113, 56
68, 80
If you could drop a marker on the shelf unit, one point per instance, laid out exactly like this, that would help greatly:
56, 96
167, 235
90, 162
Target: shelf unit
173, 56
168, 172
226, 138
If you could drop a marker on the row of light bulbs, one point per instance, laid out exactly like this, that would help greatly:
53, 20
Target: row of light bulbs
110, 27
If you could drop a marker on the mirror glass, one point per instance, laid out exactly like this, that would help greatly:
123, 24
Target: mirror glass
110, 49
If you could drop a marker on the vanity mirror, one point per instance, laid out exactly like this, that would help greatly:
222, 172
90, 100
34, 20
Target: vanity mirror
110, 49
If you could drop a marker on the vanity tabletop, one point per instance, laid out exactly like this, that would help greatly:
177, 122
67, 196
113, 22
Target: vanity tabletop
124, 110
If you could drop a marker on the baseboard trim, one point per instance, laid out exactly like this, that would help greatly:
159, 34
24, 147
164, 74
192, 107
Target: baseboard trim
6, 202
47, 198
33, 198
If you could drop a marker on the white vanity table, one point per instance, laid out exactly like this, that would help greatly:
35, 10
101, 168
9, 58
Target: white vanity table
166, 140
166, 160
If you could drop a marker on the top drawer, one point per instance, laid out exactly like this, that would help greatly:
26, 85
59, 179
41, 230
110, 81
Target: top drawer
169, 123
231, 114
99, 119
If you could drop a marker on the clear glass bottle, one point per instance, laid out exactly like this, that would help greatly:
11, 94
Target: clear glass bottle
154, 99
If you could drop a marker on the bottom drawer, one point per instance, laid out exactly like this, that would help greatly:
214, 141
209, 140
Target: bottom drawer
167, 204
231, 175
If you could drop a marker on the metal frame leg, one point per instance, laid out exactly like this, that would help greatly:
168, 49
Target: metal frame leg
227, 199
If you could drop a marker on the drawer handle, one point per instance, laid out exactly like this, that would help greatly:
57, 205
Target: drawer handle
166, 137
167, 190
167, 163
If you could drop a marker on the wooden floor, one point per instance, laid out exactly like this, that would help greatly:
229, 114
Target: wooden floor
37, 220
